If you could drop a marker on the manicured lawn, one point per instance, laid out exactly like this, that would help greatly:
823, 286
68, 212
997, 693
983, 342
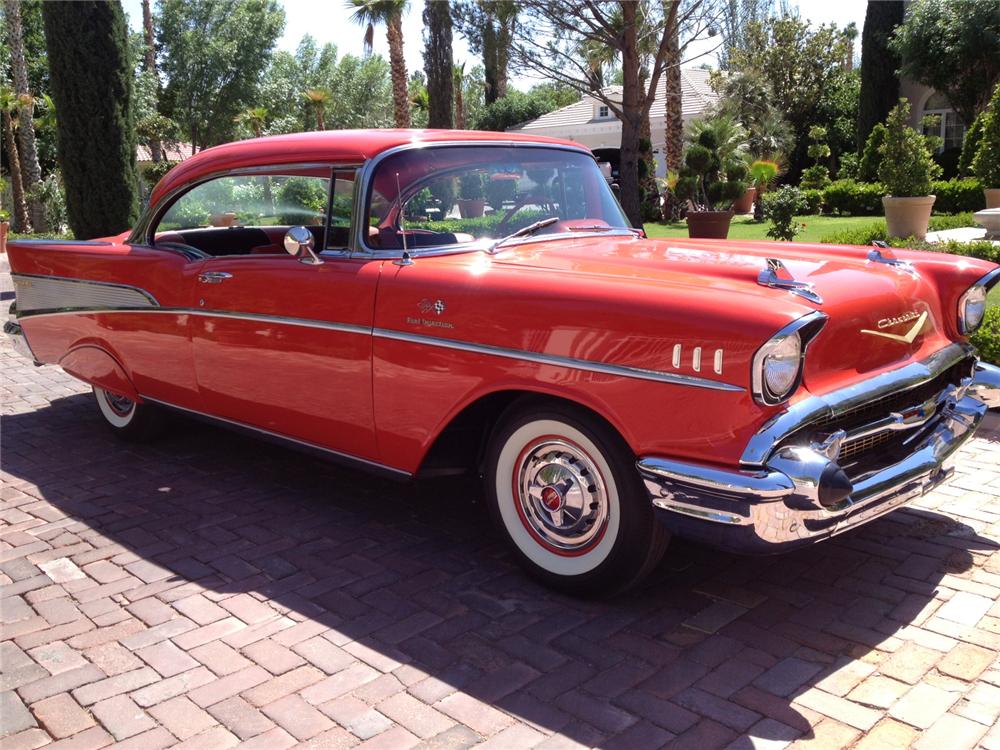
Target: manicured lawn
744, 228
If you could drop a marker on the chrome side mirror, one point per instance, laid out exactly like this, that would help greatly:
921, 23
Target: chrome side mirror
299, 243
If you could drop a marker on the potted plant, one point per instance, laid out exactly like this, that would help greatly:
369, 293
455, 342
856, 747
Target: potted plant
710, 184
906, 171
762, 173
471, 201
986, 164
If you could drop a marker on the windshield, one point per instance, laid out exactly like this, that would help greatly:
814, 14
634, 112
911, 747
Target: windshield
449, 195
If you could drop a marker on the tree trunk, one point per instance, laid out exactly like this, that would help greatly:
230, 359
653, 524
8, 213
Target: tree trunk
149, 64
459, 102
20, 219
438, 64
631, 118
673, 137
400, 94
320, 120
31, 172
492, 87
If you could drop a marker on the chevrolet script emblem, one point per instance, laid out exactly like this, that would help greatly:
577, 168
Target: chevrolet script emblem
906, 338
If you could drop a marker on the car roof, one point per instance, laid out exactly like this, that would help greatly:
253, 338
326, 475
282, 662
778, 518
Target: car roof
342, 146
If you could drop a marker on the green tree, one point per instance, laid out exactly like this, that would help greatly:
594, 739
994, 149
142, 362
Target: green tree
91, 78
907, 168
388, 13
318, 99
438, 64
801, 64
952, 46
490, 27
8, 106
879, 63
213, 56
986, 164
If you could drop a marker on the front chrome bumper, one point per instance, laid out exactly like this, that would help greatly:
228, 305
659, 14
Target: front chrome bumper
798, 493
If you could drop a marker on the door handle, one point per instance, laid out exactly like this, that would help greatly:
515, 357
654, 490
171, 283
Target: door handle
214, 277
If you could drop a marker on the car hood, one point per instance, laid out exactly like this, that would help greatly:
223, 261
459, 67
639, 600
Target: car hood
872, 307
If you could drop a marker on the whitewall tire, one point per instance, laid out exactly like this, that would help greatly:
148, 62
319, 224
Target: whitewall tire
564, 491
126, 418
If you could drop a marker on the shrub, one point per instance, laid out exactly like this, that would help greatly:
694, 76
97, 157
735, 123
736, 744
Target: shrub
907, 168
817, 176
300, 200
956, 196
865, 235
708, 180
781, 207
871, 158
813, 201
986, 164
971, 145
987, 338
854, 198
849, 166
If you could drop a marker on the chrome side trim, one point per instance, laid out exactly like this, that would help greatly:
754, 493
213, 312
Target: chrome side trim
494, 351
37, 292
279, 436
70, 243
831, 404
558, 361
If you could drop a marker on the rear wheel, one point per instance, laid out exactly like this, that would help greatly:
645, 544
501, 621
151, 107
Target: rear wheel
126, 418
563, 489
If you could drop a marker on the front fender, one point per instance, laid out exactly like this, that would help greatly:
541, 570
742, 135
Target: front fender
94, 365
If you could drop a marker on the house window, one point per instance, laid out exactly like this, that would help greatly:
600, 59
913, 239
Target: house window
950, 129
602, 112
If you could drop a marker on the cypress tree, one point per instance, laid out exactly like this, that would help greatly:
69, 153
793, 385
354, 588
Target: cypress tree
879, 66
91, 81
438, 63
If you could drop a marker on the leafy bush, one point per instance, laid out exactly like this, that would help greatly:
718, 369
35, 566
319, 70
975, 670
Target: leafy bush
155, 171
813, 201
300, 200
956, 196
867, 234
907, 168
817, 176
987, 338
781, 207
970, 145
707, 179
854, 198
471, 186
986, 164
849, 166
482, 226
871, 157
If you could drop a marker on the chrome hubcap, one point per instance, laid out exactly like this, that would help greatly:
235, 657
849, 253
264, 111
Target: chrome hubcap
562, 495
120, 405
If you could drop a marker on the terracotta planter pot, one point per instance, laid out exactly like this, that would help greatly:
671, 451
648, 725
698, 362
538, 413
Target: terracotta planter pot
745, 202
471, 208
908, 217
222, 220
992, 197
711, 225
4, 228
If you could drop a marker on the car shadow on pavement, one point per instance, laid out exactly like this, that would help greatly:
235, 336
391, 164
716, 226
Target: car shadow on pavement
712, 648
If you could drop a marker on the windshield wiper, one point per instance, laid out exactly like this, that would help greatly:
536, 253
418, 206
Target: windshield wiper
522, 232
591, 228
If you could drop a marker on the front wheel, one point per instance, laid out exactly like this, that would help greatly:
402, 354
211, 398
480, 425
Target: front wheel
563, 488
126, 418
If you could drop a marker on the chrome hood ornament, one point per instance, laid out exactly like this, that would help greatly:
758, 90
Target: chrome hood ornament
777, 276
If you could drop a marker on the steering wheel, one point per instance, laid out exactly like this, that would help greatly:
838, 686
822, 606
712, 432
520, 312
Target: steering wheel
524, 200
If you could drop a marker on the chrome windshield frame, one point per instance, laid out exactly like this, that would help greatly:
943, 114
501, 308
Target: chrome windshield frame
360, 248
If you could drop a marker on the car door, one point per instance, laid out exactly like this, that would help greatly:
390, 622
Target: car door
285, 346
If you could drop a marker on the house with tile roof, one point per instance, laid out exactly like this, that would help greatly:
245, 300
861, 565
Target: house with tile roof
590, 123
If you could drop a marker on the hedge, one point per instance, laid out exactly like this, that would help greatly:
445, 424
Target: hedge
987, 338
867, 234
848, 197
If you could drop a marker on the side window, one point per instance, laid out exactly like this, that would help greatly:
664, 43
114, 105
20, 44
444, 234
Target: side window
246, 214
341, 205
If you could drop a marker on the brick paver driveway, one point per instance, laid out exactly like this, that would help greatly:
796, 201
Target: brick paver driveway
211, 590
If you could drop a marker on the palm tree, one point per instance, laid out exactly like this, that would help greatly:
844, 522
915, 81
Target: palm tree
149, 65
318, 99
21, 218
254, 118
673, 136
370, 13
31, 170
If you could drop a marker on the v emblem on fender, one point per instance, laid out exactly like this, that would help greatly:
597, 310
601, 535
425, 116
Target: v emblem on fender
906, 338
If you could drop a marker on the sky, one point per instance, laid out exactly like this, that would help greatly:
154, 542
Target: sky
329, 21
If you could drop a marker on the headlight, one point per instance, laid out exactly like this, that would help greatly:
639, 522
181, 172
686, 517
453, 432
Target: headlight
971, 308
779, 362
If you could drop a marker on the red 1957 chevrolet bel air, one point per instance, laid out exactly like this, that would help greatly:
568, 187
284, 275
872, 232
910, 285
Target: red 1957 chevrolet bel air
424, 301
